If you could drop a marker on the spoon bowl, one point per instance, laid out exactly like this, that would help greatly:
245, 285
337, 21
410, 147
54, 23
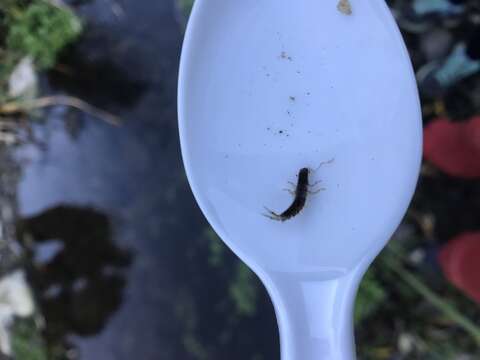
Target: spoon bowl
269, 87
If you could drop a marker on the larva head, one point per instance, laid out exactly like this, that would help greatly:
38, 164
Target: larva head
303, 174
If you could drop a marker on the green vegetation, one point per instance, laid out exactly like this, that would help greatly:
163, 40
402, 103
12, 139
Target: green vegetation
36, 28
216, 249
27, 342
185, 6
370, 296
244, 290
432, 320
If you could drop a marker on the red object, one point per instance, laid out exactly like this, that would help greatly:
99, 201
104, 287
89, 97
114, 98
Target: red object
454, 147
460, 262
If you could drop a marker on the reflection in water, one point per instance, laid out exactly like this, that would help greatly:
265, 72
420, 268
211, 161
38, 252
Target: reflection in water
76, 269
79, 75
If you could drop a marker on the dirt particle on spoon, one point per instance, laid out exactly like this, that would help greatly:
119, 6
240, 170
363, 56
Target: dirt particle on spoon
284, 55
292, 98
344, 7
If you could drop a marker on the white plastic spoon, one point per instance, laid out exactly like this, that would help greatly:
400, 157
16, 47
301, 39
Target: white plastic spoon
271, 86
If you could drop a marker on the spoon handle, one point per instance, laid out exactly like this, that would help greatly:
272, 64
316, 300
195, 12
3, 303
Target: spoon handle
315, 315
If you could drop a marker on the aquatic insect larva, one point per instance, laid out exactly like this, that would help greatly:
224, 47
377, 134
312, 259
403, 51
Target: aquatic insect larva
298, 203
300, 193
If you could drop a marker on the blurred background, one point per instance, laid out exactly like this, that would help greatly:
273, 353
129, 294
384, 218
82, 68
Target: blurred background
104, 253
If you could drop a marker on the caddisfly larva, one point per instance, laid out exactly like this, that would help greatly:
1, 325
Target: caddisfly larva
300, 193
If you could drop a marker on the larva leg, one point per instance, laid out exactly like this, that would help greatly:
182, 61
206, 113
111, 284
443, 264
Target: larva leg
292, 192
315, 191
272, 215
315, 183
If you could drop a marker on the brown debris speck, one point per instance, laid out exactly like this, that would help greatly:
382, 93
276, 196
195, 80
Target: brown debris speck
284, 55
344, 7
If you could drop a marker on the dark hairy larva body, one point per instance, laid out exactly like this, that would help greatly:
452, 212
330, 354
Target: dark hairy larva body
302, 189
300, 193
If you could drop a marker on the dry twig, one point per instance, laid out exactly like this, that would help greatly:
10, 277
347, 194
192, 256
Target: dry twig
14, 107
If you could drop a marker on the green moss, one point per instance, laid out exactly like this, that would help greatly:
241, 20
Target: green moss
33, 28
41, 30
